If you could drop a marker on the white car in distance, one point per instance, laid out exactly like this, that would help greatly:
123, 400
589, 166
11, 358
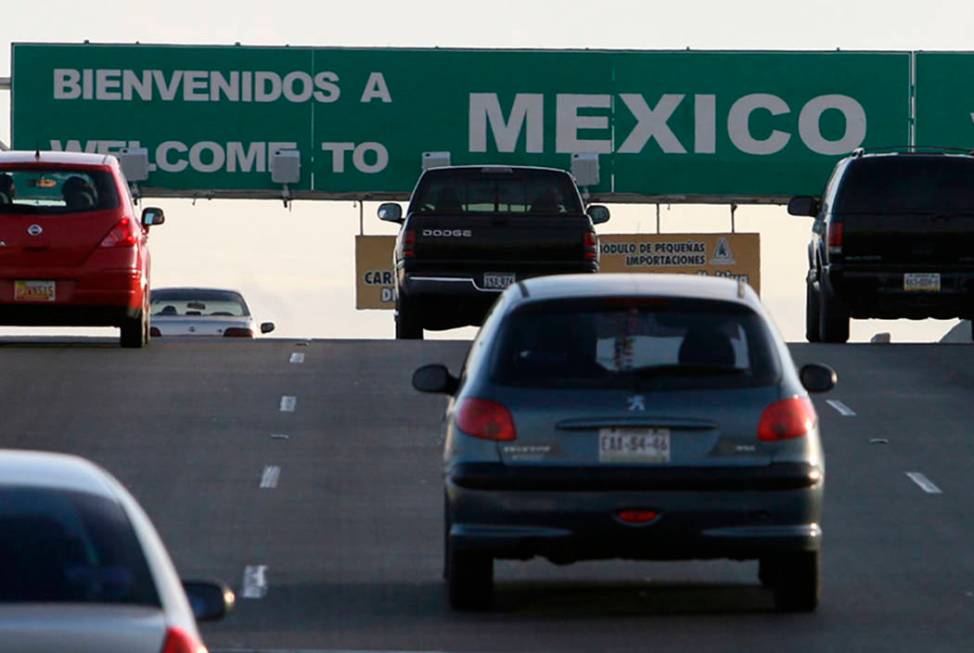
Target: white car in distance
206, 312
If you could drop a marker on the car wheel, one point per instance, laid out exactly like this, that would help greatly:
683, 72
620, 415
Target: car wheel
134, 331
470, 579
833, 319
408, 326
796, 580
811, 313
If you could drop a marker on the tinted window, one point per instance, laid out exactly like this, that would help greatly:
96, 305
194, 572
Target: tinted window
665, 344
55, 192
69, 547
907, 184
472, 191
197, 303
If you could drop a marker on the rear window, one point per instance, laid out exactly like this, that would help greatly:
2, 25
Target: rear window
641, 343
501, 190
216, 303
56, 191
907, 184
69, 547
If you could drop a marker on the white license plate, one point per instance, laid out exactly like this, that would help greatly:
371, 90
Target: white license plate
634, 445
34, 291
498, 280
921, 282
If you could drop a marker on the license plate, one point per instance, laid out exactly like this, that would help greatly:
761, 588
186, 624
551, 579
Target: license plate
634, 445
921, 282
34, 291
498, 280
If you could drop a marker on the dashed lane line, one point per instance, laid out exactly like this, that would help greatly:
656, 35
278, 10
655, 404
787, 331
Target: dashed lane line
297, 358
254, 582
288, 403
925, 483
270, 477
843, 410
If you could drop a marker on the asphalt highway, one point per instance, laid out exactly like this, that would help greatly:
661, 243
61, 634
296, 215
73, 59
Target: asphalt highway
305, 474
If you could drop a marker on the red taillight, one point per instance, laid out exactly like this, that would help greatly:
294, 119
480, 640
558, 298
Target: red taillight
486, 419
121, 235
635, 516
408, 242
590, 244
785, 419
179, 641
238, 332
835, 233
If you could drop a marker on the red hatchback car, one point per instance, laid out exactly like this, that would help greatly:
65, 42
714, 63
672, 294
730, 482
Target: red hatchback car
72, 252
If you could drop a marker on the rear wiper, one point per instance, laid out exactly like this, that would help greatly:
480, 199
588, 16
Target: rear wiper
688, 370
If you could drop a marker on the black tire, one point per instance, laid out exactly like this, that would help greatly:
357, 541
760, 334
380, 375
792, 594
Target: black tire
470, 579
796, 580
135, 331
408, 326
811, 313
833, 319
766, 572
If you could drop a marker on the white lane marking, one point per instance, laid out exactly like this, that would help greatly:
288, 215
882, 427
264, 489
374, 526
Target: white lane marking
280, 436
288, 403
254, 582
844, 410
925, 483
297, 357
269, 478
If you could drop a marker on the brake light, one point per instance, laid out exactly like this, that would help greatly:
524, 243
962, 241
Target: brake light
408, 242
238, 332
590, 244
836, 232
179, 641
786, 419
121, 235
635, 516
486, 419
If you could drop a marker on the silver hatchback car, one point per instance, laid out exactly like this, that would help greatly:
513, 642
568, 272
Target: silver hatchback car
637, 416
83, 570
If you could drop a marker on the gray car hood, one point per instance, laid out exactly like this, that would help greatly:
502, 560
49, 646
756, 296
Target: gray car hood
58, 628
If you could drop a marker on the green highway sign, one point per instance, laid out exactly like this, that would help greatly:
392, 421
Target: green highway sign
672, 126
945, 99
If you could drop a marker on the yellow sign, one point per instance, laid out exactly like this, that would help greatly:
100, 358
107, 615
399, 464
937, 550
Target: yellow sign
735, 256
374, 284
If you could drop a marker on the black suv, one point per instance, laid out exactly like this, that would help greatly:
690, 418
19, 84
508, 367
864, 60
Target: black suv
471, 231
893, 238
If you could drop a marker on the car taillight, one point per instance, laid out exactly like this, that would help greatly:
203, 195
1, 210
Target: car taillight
637, 516
486, 419
408, 242
238, 332
835, 233
121, 235
590, 244
179, 641
786, 419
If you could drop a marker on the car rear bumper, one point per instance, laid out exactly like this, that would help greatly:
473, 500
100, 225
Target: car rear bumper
720, 514
871, 292
103, 298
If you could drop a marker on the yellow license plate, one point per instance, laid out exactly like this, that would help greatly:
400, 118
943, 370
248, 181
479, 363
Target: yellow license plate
35, 291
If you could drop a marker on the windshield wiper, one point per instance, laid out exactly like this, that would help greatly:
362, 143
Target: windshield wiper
687, 370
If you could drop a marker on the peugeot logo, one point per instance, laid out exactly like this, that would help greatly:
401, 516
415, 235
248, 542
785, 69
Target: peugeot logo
2, 244
35, 230
637, 402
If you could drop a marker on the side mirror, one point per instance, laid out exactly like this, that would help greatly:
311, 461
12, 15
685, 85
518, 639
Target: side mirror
209, 601
803, 205
152, 216
435, 379
817, 377
390, 212
598, 213
267, 327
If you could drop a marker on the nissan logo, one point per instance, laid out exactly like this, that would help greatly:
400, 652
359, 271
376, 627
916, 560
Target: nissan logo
35, 230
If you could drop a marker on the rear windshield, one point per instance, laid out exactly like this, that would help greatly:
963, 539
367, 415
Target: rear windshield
54, 192
502, 190
653, 344
197, 303
69, 547
905, 184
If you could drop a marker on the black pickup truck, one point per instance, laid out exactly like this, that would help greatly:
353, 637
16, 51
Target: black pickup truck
471, 231
893, 238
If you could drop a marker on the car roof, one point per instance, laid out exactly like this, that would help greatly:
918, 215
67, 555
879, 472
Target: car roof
628, 284
189, 289
56, 471
495, 166
58, 158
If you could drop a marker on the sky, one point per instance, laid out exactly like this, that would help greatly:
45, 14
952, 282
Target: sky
296, 267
